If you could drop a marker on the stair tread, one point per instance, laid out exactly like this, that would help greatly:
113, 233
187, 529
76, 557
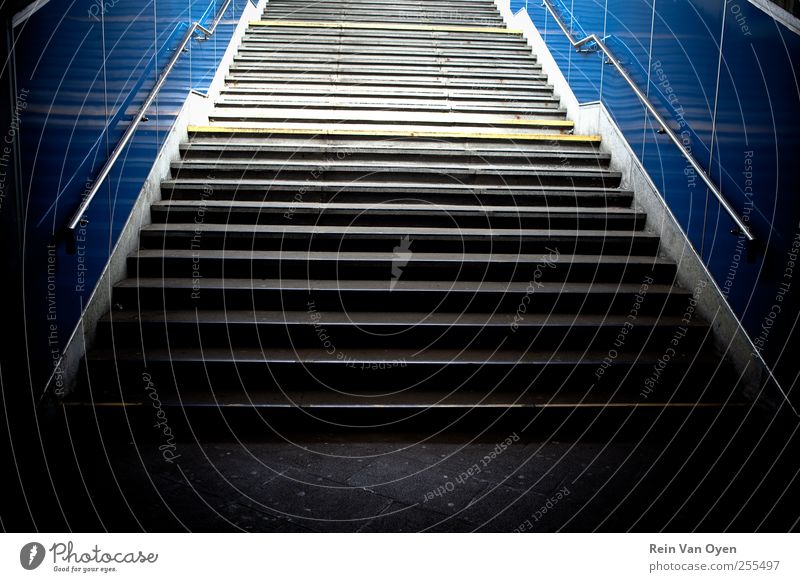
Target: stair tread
392, 147
440, 106
405, 207
341, 256
409, 356
380, 129
392, 116
400, 319
413, 187
388, 166
544, 91
359, 54
399, 231
382, 83
400, 286
422, 399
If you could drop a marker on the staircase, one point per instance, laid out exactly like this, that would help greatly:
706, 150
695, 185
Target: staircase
388, 220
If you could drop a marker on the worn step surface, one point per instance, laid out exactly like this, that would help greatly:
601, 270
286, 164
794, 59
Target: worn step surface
393, 295
547, 267
387, 192
387, 238
420, 331
386, 218
400, 212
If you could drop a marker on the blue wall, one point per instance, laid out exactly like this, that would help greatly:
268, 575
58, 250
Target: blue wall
83, 69
725, 75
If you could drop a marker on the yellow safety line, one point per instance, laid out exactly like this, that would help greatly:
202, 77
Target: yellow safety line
383, 26
395, 133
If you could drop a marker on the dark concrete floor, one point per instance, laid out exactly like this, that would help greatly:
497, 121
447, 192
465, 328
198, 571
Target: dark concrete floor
738, 476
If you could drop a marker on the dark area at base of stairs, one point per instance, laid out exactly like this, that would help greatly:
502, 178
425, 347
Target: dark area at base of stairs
729, 474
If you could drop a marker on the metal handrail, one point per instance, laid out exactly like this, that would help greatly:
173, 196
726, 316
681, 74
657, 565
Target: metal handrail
593, 38
78, 216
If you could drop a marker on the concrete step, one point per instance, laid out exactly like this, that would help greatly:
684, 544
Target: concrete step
562, 153
408, 172
535, 130
385, 17
368, 61
508, 57
400, 10
429, 19
389, 296
547, 267
373, 44
347, 66
376, 90
382, 83
389, 173
382, 9
361, 53
408, 83
490, 44
537, 94
312, 330
394, 214
507, 137
378, 192
373, 376
378, 4
387, 238
409, 75
394, 118
545, 108
386, 35
356, 10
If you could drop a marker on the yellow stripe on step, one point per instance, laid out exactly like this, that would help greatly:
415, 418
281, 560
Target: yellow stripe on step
383, 26
395, 133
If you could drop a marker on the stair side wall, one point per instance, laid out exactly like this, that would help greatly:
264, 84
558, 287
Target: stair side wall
100, 301
757, 381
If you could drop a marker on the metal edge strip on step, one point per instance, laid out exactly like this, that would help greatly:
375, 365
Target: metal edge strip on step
394, 133
385, 26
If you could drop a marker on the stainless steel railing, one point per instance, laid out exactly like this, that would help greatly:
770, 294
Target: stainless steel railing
594, 39
78, 215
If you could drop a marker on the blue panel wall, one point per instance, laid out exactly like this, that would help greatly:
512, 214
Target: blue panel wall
724, 74
583, 70
627, 32
83, 70
683, 81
